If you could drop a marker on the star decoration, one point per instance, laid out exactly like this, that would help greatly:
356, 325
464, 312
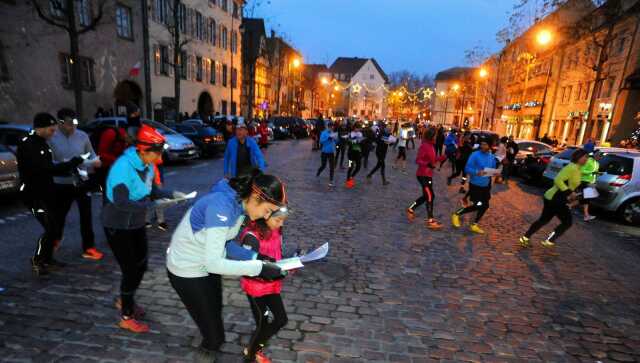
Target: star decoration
356, 88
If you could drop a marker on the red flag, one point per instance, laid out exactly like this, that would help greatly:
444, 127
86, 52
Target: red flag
135, 71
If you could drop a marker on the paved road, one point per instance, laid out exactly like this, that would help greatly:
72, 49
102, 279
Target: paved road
390, 291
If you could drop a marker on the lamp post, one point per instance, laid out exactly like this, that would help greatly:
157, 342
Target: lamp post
483, 73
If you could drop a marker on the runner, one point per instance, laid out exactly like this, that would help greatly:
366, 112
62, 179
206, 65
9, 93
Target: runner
402, 150
264, 237
558, 200
589, 174
129, 190
382, 146
462, 156
450, 148
196, 256
426, 161
479, 185
355, 155
328, 150
343, 137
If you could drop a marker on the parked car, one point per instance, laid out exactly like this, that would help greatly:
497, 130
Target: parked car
9, 179
618, 185
12, 134
563, 158
179, 148
281, 128
300, 128
495, 138
532, 159
207, 139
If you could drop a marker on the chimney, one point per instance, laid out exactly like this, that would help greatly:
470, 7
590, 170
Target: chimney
273, 33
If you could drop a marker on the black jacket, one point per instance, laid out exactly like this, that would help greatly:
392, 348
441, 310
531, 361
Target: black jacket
36, 168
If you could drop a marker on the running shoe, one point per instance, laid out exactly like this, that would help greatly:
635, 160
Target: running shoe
455, 220
38, 268
261, 357
163, 226
589, 218
148, 225
331, 185
92, 254
524, 242
411, 215
433, 224
547, 243
138, 311
133, 325
475, 228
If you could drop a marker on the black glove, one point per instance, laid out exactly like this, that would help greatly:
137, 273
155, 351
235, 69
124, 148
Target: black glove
75, 161
270, 271
262, 257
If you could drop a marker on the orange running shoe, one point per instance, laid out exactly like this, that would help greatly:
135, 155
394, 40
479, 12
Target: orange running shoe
262, 358
433, 224
56, 245
133, 325
92, 254
411, 215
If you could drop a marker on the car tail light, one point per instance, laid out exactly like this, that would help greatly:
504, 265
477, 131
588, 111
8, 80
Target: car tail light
208, 139
621, 180
545, 159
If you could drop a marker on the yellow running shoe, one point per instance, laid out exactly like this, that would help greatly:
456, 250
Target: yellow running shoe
547, 243
455, 220
524, 242
475, 228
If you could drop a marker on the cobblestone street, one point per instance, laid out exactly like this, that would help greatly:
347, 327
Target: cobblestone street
388, 292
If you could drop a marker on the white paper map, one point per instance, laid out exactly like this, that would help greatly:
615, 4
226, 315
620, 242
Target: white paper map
289, 263
319, 253
491, 172
165, 202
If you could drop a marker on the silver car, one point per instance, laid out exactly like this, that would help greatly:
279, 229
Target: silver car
9, 180
619, 185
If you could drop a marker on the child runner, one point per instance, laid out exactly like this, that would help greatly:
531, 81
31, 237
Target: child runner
479, 185
355, 155
264, 236
402, 150
328, 150
382, 145
426, 161
557, 200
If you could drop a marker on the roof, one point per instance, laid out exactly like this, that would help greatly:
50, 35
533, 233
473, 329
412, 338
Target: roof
253, 31
455, 73
351, 66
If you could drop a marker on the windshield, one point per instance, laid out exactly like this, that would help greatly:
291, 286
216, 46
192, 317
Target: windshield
162, 129
566, 154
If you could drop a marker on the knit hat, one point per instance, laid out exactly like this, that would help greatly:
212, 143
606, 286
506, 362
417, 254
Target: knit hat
43, 119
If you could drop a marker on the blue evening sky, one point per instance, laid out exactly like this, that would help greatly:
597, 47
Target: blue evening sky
423, 36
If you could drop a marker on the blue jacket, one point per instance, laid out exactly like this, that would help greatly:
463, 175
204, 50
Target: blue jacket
328, 143
231, 156
129, 191
451, 142
480, 160
199, 245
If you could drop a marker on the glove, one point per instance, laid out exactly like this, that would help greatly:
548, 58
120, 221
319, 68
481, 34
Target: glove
262, 257
270, 271
177, 195
75, 161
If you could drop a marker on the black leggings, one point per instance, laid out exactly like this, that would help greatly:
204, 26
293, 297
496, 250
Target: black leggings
332, 164
402, 153
549, 210
66, 195
480, 197
379, 165
202, 296
451, 158
460, 164
341, 149
45, 214
129, 247
427, 197
270, 316
355, 161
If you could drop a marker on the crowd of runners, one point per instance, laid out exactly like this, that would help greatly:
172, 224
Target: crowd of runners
236, 228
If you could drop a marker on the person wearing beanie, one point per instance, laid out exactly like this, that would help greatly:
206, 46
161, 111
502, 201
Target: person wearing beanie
128, 196
479, 184
37, 169
66, 143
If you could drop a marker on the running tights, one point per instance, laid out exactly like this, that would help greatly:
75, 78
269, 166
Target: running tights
355, 162
324, 157
270, 316
549, 210
427, 197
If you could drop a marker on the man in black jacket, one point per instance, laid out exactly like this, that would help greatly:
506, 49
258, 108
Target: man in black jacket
36, 169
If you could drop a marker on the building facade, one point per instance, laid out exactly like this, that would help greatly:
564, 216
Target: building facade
455, 100
360, 88
285, 76
256, 84
35, 62
316, 90
209, 57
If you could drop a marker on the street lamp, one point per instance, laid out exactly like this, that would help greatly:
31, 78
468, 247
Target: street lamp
456, 87
483, 73
296, 63
325, 81
544, 37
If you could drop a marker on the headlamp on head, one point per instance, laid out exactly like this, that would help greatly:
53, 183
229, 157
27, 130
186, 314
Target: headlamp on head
283, 211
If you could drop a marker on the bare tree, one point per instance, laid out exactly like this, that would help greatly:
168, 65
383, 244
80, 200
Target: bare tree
477, 55
62, 14
251, 6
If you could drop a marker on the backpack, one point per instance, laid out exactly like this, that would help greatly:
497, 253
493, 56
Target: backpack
96, 135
